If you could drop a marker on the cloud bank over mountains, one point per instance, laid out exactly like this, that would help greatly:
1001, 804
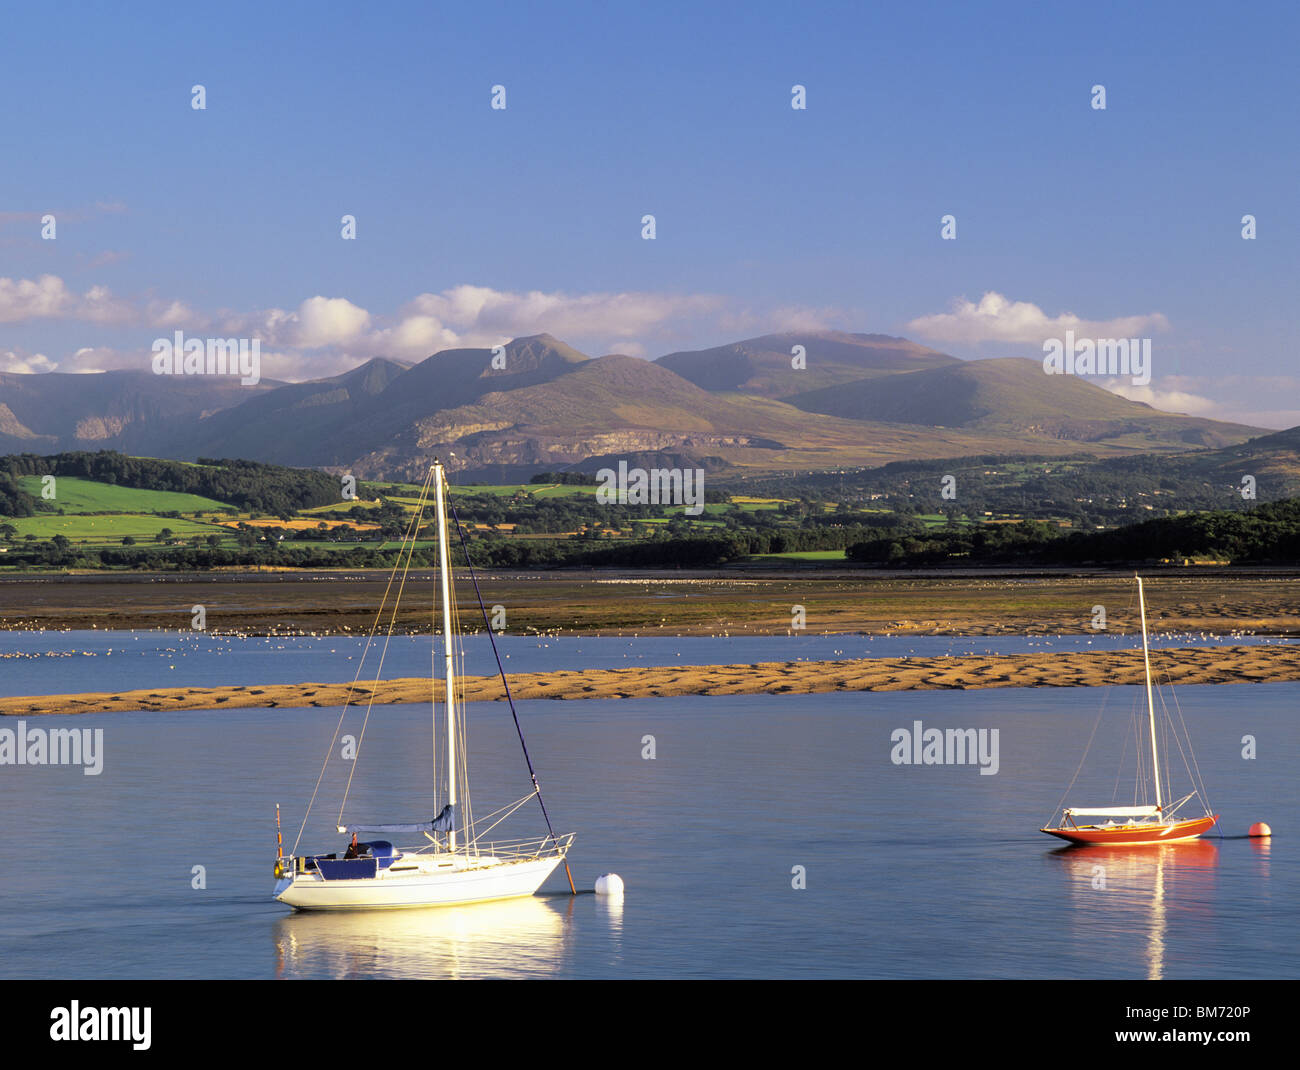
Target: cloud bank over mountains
326, 335
996, 318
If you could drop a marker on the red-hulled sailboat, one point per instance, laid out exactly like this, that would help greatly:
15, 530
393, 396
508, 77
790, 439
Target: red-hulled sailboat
1151, 822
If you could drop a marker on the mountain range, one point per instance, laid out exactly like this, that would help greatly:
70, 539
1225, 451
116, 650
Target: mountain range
538, 404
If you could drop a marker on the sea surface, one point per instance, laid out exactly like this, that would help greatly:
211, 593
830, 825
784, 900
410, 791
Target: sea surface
768, 836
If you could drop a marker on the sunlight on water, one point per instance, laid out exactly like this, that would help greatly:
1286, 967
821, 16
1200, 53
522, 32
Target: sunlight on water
513, 938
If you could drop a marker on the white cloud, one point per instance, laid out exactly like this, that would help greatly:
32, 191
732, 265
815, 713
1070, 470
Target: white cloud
1165, 400
415, 337
291, 365
98, 305
480, 310
170, 314
89, 359
339, 332
479, 316
317, 323
1234, 398
326, 321
631, 322
25, 299
25, 363
48, 298
996, 318
462, 316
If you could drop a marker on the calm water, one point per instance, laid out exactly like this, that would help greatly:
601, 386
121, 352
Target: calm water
911, 871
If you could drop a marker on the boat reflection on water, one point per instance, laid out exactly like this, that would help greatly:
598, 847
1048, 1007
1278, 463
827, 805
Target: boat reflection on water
1132, 890
609, 908
516, 938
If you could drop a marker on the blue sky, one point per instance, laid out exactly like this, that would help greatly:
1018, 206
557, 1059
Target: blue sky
474, 224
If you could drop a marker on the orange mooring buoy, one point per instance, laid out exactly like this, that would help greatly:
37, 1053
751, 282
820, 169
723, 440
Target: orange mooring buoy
1260, 829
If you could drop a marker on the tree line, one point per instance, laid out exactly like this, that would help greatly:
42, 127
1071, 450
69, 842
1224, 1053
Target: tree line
248, 485
1267, 534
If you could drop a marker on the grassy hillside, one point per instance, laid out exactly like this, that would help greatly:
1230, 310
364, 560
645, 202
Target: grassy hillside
86, 496
1015, 395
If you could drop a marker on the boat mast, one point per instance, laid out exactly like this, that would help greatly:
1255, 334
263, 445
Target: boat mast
1151, 706
444, 569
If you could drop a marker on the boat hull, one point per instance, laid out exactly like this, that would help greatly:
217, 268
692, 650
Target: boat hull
1134, 835
473, 883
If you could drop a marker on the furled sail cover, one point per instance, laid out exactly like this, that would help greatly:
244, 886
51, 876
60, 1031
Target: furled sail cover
1115, 811
444, 822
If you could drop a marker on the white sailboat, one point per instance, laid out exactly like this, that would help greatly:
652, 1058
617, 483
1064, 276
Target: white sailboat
452, 861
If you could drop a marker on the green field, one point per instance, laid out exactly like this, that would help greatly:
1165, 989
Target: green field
108, 530
534, 490
344, 506
409, 495
938, 520
803, 555
391, 544
83, 496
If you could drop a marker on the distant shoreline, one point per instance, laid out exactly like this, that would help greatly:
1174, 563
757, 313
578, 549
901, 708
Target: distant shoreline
744, 601
1199, 665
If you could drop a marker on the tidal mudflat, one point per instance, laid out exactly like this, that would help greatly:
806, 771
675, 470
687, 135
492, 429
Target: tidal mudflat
740, 601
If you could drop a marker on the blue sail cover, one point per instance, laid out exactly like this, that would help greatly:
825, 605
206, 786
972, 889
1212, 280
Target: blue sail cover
444, 822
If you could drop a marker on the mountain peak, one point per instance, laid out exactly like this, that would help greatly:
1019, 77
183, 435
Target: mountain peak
765, 365
538, 348
373, 376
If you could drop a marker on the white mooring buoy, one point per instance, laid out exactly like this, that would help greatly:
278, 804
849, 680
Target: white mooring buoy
609, 884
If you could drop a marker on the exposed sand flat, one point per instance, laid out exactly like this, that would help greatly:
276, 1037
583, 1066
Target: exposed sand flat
1203, 665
